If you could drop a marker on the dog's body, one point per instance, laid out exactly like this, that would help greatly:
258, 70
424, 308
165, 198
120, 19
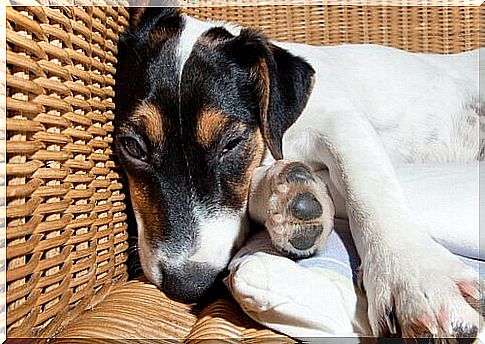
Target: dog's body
193, 140
423, 107
373, 108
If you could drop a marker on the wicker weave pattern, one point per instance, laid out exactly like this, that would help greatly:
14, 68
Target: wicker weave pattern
66, 230
142, 311
66, 235
435, 29
223, 320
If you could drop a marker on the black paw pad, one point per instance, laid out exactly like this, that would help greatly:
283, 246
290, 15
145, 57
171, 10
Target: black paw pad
299, 173
305, 239
305, 206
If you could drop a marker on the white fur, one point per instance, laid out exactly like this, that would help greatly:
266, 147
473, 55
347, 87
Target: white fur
217, 236
373, 107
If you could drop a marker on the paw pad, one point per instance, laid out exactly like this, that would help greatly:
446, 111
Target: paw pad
305, 206
300, 212
299, 173
306, 239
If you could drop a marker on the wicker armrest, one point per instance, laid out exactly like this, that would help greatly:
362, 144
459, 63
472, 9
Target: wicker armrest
138, 310
224, 320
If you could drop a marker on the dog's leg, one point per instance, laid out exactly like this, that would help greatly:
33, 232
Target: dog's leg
412, 283
294, 205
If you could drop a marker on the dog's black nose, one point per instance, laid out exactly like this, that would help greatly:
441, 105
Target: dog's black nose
305, 206
189, 283
306, 238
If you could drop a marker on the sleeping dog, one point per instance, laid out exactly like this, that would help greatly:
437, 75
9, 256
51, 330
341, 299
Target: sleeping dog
215, 125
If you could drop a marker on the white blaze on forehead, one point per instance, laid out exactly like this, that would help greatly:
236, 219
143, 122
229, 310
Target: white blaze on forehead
217, 236
193, 29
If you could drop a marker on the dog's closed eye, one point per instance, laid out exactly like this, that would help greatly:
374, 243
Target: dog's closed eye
231, 145
135, 148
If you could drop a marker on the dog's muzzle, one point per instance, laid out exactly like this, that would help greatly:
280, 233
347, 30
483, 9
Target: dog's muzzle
186, 266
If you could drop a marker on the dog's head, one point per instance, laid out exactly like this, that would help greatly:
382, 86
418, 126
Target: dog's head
196, 106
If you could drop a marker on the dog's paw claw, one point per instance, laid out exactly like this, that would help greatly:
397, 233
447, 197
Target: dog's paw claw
433, 298
301, 211
391, 323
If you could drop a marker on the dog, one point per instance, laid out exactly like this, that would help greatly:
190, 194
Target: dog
216, 125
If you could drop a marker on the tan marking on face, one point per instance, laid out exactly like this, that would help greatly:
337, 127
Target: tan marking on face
148, 117
162, 34
147, 209
211, 123
254, 151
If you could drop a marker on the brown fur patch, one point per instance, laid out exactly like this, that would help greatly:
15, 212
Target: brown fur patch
151, 216
136, 14
260, 74
257, 157
214, 36
253, 150
210, 124
160, 36
148, 117
171, 28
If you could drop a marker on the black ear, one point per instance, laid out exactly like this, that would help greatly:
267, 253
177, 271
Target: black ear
136, 13
291, 83
283, 84
143, 11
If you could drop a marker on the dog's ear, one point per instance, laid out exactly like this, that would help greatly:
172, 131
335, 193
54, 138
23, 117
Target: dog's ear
140, 11
136, 13
283, 84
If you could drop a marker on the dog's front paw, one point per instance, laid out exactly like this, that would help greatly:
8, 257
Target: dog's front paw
300, 212
422, 293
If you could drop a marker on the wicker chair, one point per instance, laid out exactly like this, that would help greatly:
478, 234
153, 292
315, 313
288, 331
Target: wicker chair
66, 226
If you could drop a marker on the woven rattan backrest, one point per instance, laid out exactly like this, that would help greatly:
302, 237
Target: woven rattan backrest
437, 29
66, 231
